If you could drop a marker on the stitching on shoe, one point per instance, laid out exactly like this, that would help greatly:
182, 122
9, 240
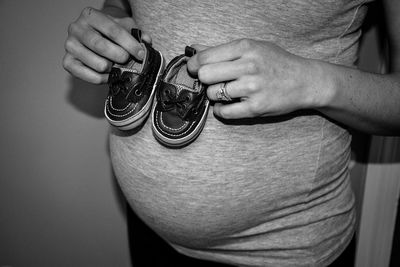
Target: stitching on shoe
172, 129
118, 109
115, 115
167, 127
123, 69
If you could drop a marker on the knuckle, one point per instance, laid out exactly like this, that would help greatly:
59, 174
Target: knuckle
97, 43
115, 31
87, 11
69, 45
72, 28
252, 86
251, 67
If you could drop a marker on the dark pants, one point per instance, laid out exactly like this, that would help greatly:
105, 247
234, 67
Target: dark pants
347, 257
148, 250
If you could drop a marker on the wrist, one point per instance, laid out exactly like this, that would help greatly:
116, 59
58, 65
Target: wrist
322, 86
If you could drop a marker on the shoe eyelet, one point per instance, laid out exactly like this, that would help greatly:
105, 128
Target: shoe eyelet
138, 93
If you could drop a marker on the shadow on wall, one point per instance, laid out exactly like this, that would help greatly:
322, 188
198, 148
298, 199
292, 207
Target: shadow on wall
86, 97
89, 99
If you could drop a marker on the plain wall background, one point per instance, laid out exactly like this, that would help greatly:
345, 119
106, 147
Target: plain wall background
59, 204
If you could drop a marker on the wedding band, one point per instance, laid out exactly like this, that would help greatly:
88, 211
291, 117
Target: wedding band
222, 94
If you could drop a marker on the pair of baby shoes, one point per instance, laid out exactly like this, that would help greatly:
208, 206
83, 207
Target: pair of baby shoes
180, 108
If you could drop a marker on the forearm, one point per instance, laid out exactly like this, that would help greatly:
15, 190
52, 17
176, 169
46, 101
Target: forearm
364, 101
117, 8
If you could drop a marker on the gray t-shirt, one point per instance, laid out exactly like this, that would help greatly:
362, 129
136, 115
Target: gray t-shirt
269, 191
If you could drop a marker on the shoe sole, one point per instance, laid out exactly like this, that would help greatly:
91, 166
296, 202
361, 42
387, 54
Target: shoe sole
184, 140
138, 118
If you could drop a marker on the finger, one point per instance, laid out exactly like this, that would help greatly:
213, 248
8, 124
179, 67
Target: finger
115, 32
77, 69
87, 57
193, 64
226, 71
236, 110
233, 89
103, 47
224, 52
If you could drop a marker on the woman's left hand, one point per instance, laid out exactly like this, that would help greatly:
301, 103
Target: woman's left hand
261, 79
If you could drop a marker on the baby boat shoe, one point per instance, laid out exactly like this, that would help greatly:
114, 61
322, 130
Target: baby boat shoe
181, 106
132, 87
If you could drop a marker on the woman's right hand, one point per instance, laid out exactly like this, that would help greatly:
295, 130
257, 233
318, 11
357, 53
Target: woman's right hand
96, 41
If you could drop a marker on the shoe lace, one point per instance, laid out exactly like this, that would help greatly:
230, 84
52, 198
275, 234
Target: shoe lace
186, 103
122, 83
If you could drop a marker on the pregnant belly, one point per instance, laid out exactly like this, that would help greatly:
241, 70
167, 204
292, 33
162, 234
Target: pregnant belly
211, 189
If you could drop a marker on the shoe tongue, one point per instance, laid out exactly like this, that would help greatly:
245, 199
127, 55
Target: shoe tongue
184, 81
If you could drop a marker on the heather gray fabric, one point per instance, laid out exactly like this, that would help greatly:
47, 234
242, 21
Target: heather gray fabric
260, 192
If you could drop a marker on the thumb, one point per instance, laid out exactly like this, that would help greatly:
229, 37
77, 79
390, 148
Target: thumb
193, 64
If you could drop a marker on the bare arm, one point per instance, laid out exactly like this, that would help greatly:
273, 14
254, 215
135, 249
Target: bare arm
365, 101
270, 81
